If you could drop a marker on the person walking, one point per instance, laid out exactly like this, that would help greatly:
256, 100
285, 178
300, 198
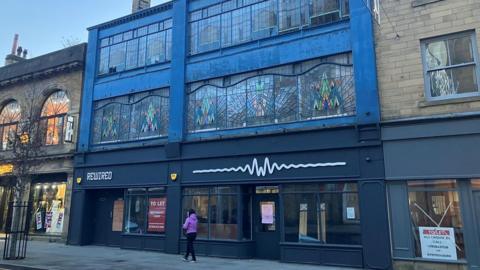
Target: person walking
190, 227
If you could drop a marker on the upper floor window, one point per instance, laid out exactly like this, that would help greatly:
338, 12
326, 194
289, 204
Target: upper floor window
9, 118
309, 90
133, 117
451, 66
53, 116
140, 47
233, 22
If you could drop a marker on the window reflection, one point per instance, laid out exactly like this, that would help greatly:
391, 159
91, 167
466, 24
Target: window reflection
9, 118
322, 213
53, 115
436, 204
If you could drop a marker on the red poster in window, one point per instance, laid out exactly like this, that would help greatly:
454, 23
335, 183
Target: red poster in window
156, 214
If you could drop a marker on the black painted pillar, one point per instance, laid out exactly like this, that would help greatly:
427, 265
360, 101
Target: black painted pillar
77, 218
174, 211
374, 223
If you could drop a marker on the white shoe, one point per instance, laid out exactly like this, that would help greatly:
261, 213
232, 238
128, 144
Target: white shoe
184, 259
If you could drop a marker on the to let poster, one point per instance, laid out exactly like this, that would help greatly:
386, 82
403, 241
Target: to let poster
156, 214
438, 243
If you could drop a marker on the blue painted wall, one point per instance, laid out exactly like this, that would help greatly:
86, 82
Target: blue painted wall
354, 35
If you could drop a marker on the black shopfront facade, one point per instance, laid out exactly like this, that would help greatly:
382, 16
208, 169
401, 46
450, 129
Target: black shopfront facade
433, 188
307, 197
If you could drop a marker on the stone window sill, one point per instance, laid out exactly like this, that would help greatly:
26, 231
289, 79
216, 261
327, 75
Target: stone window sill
429, 103
417, 3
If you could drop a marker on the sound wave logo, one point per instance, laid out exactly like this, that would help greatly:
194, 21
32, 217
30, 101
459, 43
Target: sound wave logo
254, 168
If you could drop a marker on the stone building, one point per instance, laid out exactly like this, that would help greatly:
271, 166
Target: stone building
428, 74
55, 79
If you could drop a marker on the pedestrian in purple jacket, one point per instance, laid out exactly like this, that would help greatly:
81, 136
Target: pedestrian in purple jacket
190, 227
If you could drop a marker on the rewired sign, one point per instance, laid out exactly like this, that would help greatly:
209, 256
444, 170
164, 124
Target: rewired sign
99, 176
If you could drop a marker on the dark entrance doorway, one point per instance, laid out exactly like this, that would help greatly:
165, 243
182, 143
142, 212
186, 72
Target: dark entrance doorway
266, 222
108, 221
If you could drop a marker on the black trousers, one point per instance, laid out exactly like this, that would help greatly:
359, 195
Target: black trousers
190, 238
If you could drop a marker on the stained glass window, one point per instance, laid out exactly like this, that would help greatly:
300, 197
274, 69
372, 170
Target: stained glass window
310, 90
127, 118
53, 115
9, 117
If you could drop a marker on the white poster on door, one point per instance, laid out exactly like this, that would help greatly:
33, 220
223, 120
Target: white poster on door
438, 243
267, 209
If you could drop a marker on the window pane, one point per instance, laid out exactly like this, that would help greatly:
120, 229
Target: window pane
264, 16
461, 50
342, 218
436, 208
332, 218
168, 44
136, 214
194, 37
132, 54
302, 219
223, 190
226, 29
436, 54
195, 191
476, 184
200, 205
465, 79
142, 51
260, 106
324, 11
48, 207
209, 31
103, 62
453, 81
290, 14
241, 25
156, 48
223, 217
117, 57
157, 207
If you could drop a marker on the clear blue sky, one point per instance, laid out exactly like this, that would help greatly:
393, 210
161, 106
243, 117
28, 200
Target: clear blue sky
43, 24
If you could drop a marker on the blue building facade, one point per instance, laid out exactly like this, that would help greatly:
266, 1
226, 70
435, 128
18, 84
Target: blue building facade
263, 116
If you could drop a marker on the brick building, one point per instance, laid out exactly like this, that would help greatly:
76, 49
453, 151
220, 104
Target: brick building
428, 74
54, 81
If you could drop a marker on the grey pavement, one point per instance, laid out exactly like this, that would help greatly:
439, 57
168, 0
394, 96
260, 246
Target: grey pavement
55, 256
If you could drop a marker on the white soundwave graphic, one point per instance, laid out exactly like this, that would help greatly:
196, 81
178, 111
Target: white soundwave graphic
254, 168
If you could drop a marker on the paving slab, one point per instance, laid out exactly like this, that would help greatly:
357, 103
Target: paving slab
57, 256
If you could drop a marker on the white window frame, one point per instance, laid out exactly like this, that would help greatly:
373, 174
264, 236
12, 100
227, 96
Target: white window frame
427, 85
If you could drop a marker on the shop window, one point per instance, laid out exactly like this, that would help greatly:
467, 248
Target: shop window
48, 208
9, 118
322, 214
145, 211
436, 219
311, 90
217, 211
54, 112
476, 184
129, 118
450, 66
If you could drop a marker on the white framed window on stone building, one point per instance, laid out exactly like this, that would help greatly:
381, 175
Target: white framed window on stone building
451, 66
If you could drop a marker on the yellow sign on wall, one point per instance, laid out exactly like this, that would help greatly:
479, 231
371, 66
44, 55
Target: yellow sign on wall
6, 169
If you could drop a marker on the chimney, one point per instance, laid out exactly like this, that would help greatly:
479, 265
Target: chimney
13, 58
15, 44
138, 5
